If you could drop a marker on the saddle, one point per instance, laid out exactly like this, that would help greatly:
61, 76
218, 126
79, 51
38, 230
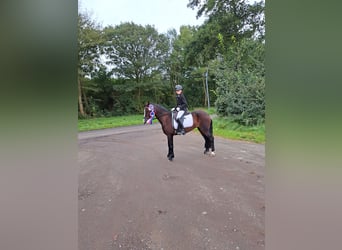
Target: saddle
186, 120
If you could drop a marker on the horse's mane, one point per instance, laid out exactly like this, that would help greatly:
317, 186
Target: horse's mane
161, 107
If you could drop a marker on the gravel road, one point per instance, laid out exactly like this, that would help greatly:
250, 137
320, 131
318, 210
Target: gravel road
132, 197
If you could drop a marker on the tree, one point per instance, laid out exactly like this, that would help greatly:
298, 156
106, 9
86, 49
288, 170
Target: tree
135, 52
231, 41
137, 55
181, 71
176, 61
240, 82
100, 88
123, 66
203, 46
227, 19
89, 41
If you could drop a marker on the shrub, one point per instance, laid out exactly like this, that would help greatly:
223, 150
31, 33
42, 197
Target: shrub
241, 84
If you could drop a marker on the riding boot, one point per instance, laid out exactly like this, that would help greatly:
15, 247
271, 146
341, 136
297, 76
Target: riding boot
180, 130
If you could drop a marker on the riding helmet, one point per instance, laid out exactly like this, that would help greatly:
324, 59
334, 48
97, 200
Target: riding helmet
178, 87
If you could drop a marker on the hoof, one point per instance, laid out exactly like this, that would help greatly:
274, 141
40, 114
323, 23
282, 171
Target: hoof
207, 152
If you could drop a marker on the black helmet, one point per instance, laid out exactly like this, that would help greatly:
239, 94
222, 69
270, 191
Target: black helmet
178, 87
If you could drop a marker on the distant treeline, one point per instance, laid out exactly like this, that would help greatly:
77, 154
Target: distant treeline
122, 67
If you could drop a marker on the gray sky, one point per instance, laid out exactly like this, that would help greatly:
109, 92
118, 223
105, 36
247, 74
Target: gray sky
163, 14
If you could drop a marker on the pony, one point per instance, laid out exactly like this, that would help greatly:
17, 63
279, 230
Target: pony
196, 119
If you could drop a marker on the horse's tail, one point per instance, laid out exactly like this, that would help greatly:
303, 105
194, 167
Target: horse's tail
211, 127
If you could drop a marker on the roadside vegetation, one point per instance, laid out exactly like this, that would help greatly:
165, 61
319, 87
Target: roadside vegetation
223, 127
109, 122
226, 128
222, 61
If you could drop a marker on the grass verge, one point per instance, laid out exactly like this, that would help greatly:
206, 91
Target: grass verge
223, 127
109, 122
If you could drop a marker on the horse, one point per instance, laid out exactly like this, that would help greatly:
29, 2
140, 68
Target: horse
200, 120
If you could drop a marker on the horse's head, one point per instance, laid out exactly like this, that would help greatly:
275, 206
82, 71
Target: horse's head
148, 113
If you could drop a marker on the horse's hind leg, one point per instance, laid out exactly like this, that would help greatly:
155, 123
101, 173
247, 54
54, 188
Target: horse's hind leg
207, 141
211, 139
212, 146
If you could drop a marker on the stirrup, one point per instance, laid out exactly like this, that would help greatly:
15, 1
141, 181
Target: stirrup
181, 132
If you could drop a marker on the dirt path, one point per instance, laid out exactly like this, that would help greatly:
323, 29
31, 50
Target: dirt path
132, 197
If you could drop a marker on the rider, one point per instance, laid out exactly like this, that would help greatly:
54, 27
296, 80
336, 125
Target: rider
182, 107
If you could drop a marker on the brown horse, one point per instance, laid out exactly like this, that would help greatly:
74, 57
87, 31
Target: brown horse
200, 120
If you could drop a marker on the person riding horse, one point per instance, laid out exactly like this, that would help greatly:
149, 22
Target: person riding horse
182, 108
200, 120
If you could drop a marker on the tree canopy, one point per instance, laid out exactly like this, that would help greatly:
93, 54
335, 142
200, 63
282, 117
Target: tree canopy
135, 52
123, 66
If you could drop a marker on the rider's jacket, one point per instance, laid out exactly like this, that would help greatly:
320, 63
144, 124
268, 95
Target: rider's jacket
181, 102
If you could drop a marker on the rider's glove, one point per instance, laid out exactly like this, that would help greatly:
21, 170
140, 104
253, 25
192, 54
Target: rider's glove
177, 108
172, 109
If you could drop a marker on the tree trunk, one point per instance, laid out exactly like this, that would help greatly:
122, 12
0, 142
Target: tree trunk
205, 95
80, 104
85, 100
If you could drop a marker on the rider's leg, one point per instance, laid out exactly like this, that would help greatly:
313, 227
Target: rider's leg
180, 124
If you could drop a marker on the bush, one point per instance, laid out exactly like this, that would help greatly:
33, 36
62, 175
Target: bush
242, 97
241, 85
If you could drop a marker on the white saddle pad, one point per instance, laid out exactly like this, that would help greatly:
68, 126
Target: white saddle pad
188, 121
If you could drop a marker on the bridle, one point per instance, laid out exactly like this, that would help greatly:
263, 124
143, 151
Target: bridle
151, 109
151, 114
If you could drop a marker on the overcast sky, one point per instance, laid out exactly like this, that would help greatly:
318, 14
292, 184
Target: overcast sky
163, 14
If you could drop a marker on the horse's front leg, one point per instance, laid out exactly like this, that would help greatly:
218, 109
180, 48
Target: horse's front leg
170, 155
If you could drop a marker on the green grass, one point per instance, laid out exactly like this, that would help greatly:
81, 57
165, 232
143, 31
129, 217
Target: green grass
210, 111
109, 122
223, 127
226, 128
